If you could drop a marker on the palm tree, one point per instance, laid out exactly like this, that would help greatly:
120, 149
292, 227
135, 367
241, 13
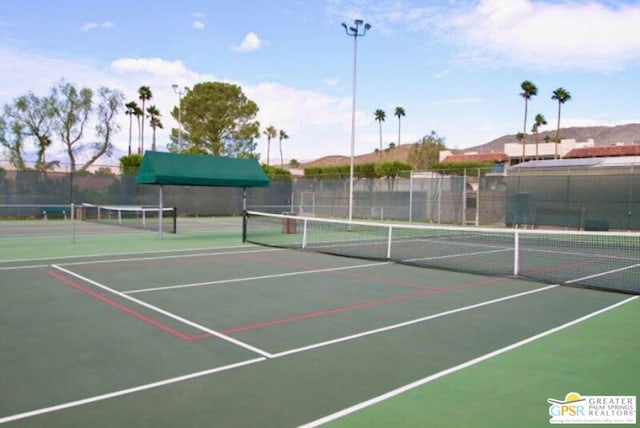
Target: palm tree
539, 121
283, 136
380, 115
270, 132
561, 95
528, 90
144, 93
131, 107
154, 122
139, 114
399, 113
520, 136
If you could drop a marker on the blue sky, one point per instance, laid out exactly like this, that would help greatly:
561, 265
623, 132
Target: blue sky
454, 66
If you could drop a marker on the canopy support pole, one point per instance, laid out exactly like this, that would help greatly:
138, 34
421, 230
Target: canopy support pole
160, 212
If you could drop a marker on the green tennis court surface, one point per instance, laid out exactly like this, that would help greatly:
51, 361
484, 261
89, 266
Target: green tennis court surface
196, 329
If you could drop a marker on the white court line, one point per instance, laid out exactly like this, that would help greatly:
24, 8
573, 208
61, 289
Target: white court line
84, 256
467, 364
410, 322
23, 267
451, 256
168, 314
172, 256
252, 278
127, 391
603, 273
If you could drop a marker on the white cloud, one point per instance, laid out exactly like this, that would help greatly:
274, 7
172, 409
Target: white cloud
589, 35
198, 25
442, 74
330, 82
250, 43
88, 26
155, 66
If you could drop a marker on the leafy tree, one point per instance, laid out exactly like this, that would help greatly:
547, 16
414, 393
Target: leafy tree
129, 164
399, 113
104, 171
33, 117
539, 121
281, 136
220, 120
131, 110
144, 94
276, 173
561, 95
425, 153
72, 110
392, 170
154, 122
270, 132
12, 138
380, 115
293, 163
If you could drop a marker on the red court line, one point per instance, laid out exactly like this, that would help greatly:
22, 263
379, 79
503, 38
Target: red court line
132, 312
372, 303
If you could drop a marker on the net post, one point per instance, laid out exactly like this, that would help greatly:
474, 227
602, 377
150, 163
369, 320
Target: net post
304, 234
411, 196
389, 234
516, 252
161, 206
175, 219
244, 225
72, 216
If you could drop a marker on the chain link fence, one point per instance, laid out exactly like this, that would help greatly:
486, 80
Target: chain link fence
585, 200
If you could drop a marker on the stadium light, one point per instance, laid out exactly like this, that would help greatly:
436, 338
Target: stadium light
179, 91
359, 29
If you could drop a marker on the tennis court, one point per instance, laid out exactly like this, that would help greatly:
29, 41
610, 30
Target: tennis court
121, 328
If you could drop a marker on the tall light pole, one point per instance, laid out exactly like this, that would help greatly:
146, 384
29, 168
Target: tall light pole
355, 33
179, 91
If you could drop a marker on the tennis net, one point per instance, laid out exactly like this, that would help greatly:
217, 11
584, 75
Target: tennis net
604, 260
137, 217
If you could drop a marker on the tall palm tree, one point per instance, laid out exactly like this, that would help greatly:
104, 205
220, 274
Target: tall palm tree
399, 113
561, 95
144, 93
539, 121
528, 90
270, 132
282, 136
154, 122
131, 107
380, 115
520, 136
139, 114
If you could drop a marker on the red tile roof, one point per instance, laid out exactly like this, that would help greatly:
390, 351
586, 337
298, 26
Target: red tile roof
606, 151
477, 157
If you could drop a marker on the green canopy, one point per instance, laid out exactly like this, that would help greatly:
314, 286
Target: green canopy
200, 170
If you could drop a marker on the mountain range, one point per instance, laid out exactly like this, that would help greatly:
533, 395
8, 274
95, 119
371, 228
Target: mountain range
601, 136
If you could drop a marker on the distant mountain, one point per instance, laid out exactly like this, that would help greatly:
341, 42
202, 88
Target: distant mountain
601, 135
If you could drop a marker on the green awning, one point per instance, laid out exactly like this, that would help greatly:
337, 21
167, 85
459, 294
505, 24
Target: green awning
200, 170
